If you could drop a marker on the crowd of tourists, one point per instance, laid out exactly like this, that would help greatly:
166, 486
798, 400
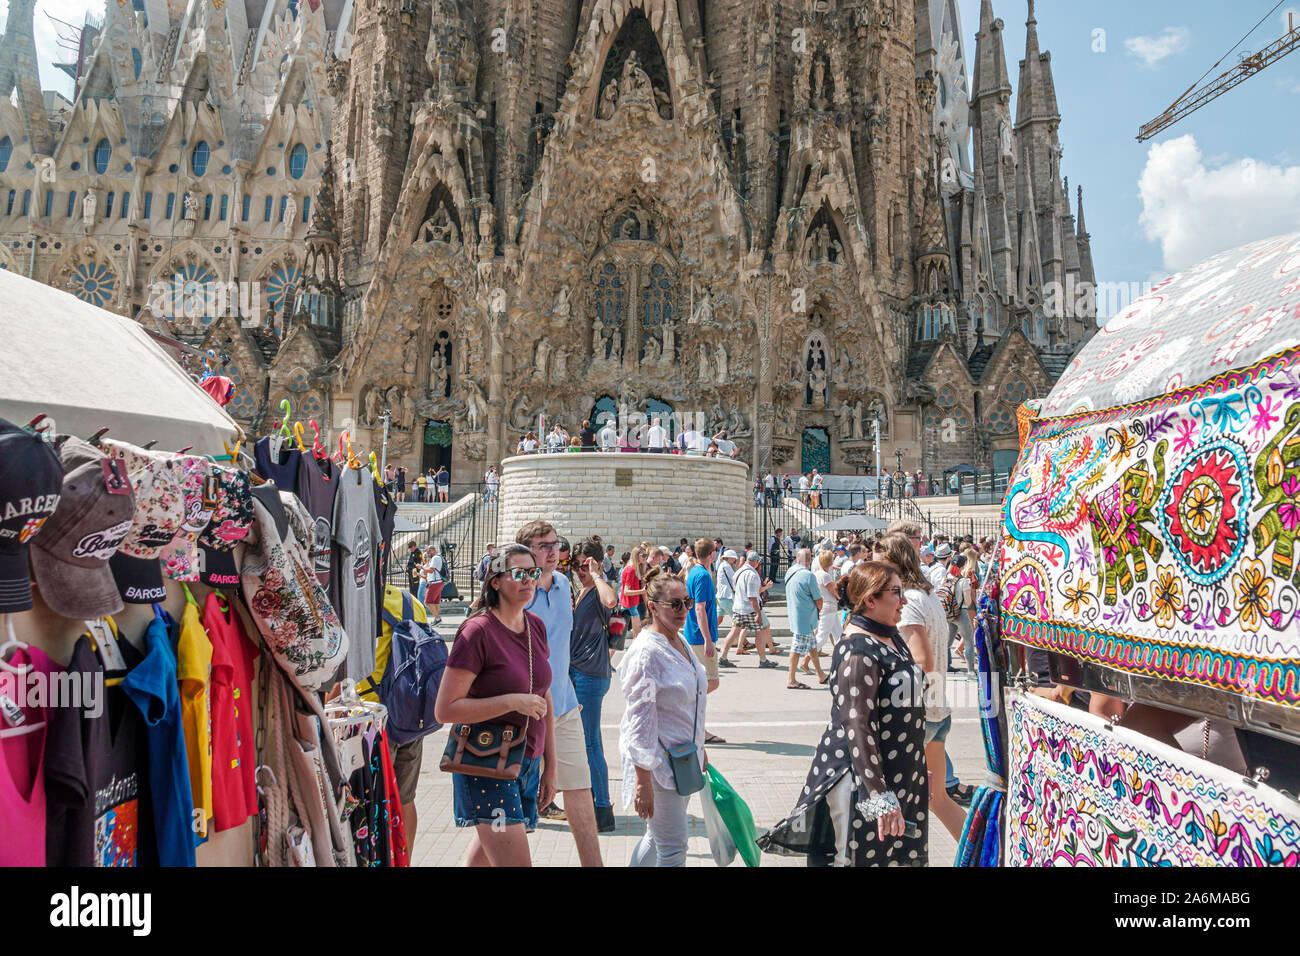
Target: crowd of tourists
650, 436
554, 621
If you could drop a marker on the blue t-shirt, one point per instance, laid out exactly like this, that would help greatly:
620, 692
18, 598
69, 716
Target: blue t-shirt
555, 608
152, 687
801, 591
699, 585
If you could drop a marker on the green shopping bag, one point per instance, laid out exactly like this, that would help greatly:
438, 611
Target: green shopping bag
735, 815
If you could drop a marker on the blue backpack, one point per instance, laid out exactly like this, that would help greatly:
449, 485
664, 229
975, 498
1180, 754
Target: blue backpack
409, 687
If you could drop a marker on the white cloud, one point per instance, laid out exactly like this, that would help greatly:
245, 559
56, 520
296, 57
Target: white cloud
1151, 50
1194, 211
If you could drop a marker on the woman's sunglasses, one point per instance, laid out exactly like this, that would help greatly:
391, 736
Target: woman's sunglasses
681, 604
518, 574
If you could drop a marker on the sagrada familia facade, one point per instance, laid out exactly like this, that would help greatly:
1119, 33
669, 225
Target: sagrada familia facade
790, 218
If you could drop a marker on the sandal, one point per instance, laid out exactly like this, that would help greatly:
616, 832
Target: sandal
825, 679
797, 686
712, 738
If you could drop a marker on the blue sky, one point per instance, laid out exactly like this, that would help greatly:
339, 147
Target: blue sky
1222, 176
1225, 175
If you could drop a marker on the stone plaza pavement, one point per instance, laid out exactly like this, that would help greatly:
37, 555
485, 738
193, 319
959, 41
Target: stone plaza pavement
771, 735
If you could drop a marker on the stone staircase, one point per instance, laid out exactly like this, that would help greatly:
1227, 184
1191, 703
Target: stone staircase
461, 529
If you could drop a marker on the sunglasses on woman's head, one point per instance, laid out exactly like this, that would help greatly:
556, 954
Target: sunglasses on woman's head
681, 604
518, 574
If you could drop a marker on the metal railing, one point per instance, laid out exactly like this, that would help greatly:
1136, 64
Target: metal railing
983, 488
460, 529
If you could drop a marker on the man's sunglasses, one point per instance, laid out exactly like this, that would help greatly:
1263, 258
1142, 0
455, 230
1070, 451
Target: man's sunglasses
681, 604
518, 574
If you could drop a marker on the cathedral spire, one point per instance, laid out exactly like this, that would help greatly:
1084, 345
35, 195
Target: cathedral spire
1036, 93
18, 69
990, 57
1086, 271
319, 301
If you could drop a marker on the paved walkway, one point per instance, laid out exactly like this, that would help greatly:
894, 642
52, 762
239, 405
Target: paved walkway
771, 735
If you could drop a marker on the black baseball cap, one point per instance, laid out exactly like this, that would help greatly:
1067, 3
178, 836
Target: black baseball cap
31, 478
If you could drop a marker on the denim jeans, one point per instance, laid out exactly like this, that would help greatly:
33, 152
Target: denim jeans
591, 693
664, 842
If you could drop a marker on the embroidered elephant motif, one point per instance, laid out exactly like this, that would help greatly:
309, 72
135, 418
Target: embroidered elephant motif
1122, 518
1277, 476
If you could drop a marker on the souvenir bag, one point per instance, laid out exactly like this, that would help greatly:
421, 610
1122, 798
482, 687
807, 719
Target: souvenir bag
490, 748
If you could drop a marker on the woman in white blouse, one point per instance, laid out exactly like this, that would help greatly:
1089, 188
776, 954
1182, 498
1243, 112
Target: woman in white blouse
829, 623
665, 688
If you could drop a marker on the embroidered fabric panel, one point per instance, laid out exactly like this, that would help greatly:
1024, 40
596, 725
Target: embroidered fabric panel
1081, 795
1222, 313
1163, 539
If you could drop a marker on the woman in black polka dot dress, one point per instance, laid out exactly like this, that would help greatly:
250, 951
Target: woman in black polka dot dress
864, 802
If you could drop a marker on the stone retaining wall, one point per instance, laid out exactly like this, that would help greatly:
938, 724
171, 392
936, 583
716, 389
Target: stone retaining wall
627, 498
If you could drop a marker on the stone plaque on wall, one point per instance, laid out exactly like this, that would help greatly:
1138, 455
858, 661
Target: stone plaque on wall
622, 477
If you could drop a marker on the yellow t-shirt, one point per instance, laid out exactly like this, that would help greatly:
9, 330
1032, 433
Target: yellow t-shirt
194, 671
368, 687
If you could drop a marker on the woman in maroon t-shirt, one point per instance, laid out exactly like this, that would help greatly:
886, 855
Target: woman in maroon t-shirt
488, 678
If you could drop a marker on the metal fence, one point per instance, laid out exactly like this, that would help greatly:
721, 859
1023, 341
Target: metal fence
460, 529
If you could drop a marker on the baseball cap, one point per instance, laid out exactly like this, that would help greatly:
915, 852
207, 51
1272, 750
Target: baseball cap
180, 559
730, 554
31, 477
231, 520
70, 556
159, 514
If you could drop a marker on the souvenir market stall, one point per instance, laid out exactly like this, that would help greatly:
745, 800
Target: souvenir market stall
1149, 568
171, 621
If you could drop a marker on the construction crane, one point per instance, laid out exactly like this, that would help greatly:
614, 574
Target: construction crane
1198, 95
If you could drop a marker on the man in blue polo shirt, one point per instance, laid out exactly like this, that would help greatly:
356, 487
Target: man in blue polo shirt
553, 603
803, 598
701, 629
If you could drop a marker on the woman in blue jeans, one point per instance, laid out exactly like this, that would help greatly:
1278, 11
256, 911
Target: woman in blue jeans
589, 664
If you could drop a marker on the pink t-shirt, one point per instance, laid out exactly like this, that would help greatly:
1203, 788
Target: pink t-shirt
22, 762
498, 657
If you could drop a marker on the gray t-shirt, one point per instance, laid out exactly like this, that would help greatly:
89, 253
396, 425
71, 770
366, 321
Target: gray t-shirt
356, 540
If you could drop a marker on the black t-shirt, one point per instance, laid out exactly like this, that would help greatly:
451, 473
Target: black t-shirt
76, 745
316, 487
386, 508
587, 437
283, 470
589, 643
119, 774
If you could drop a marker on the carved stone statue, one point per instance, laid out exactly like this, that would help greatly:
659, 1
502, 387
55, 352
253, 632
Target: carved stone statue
704, 363
439, 228
601, 349
487, 218
191, 206
608, 101
857, 419
438, 374
616, 345
541, 359
670, 342
290, 212
475, 406
844, 419
372, 406
819, 85
819, 244
561, 308
561, 365
651, 351
704, 311
635, 81
1004, 137
88, 210
817, 383
720, 356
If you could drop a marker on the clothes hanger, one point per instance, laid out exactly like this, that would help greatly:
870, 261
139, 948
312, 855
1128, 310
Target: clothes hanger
284, 424
298, 431
374, 468
12, 643
207, 366
317, 448
94, 439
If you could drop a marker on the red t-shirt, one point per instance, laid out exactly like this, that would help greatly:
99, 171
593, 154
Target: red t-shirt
230, 706
498, 657
630, 583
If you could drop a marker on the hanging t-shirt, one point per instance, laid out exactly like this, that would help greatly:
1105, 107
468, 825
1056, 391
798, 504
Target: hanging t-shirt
124, 830
151, 685
22, 759
193, 670
234, 759
282, 468
357, 538
316, 487
76, 749
386, 510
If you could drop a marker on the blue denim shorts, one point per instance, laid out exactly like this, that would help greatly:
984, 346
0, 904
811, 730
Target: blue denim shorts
486, 800
938, 729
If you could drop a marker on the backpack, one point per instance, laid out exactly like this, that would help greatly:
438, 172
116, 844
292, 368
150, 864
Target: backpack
409, 687
948, 597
